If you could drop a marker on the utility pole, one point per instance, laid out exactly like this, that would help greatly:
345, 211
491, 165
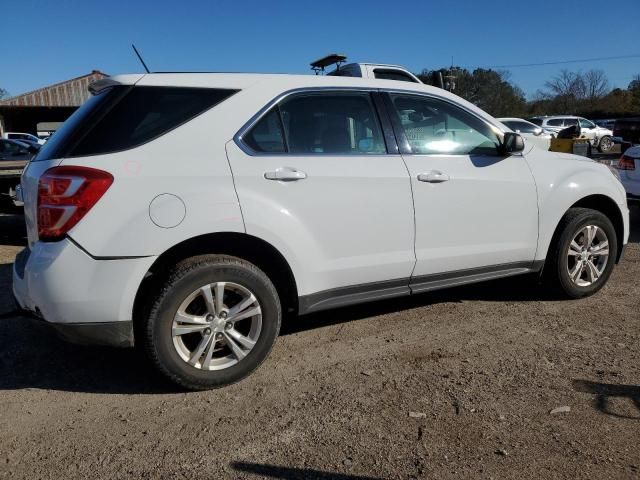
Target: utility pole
450, 78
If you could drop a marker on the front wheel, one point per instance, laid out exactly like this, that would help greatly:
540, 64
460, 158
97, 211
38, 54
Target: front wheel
213, 323
582, 255
605, 145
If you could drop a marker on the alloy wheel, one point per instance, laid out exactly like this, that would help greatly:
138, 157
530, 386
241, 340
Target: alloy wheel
587, 255
217, 326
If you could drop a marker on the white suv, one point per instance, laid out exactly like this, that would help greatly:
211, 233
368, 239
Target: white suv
600, 137
188, 212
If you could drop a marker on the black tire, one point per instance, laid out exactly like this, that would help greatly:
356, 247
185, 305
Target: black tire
607, 146
187, 277
556, 274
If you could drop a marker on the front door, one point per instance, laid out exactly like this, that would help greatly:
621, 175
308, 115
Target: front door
476, 211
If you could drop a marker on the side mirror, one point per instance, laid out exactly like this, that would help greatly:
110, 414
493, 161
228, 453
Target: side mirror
537, 132
512, 143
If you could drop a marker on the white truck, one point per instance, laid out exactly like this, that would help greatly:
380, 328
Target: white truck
363, 70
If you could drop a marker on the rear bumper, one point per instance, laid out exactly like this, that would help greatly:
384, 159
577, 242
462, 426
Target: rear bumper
113, 334
87, 300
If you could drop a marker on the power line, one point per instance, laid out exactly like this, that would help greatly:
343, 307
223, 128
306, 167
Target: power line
597, 59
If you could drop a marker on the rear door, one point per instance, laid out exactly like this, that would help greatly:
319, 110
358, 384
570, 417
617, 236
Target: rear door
316, 179
476, 211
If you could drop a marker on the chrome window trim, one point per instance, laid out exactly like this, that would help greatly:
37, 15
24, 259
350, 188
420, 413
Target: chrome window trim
238, 137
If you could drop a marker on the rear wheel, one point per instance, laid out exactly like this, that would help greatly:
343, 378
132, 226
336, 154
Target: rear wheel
582, 255
213, 323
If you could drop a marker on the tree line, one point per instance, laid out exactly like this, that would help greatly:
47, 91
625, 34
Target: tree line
586, 94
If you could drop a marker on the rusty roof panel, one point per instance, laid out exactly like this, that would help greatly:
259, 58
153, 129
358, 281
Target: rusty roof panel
71, 93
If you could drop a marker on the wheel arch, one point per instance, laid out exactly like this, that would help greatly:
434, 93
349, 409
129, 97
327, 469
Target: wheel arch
607, 206
253, 249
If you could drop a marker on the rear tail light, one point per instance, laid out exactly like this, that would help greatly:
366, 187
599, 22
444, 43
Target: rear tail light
626, 163
65, 195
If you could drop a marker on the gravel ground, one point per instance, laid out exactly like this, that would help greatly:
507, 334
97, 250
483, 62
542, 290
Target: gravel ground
453, 384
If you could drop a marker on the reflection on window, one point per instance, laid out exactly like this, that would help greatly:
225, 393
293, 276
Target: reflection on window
437, 127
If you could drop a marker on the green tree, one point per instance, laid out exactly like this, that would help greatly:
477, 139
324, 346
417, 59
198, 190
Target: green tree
3, 93
634, 91
489, 89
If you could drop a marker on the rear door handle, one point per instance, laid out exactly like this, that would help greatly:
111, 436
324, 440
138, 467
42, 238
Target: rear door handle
434, 176
285, 174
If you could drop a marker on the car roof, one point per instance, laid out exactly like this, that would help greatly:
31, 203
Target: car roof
513, 119
285, 83
245, 80
548, 117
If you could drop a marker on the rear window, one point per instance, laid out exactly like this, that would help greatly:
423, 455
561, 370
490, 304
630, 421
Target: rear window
125, 117
537, 121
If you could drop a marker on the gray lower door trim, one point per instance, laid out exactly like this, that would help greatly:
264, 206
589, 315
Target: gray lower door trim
436, 281
367, 292
343, 296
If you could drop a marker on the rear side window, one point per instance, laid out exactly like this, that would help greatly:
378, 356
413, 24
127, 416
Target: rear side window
392, 75
333, 123
125, 117
555, 122
267, 135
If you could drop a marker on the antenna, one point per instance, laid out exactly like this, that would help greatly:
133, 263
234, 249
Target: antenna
140, 58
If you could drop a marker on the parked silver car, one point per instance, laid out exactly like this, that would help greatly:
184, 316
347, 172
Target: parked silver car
600, 137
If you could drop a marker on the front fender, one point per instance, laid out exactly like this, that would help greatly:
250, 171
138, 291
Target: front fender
562, 181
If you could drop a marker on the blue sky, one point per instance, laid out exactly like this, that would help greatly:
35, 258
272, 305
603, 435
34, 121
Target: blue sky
49, 41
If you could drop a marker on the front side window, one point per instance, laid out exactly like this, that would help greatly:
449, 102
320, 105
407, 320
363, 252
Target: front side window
319, 123
569, 122
434, 126
12, 147
584, 123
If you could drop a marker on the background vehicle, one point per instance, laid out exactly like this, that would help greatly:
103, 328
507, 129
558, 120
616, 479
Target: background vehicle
628, 129
14, 156
291, 194
629, 167
15, 150
533, 133
23, 136
599, 137
605, 123
363, 70
32, 147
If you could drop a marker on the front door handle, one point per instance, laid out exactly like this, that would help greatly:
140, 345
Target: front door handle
434, 176
285, 174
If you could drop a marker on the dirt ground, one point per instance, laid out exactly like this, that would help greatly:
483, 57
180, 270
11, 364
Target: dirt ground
453, 384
